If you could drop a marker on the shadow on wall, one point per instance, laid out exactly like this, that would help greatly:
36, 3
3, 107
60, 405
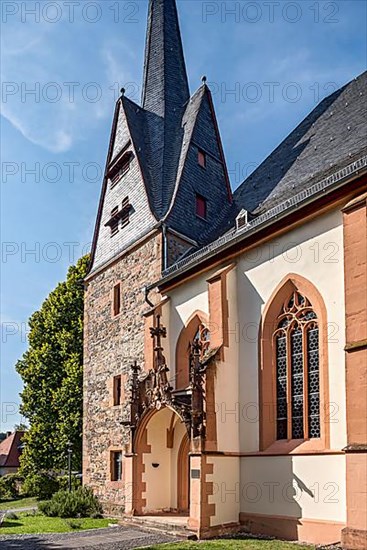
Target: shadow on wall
247, 331
271, 497
283, 244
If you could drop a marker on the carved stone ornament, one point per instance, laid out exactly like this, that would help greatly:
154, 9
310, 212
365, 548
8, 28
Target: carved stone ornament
152, 390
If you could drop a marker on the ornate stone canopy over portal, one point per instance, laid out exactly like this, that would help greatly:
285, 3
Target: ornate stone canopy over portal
152, 390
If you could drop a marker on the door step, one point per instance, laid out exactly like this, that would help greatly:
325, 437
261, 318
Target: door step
169, 525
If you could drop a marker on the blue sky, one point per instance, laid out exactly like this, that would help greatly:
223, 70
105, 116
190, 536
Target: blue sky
268, 64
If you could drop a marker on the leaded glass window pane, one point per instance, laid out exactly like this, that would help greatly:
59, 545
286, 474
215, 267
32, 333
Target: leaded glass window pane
202, 336
313, 383
297, 383
281, 359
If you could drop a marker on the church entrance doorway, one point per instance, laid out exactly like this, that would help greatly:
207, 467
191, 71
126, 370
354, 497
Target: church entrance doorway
162, 448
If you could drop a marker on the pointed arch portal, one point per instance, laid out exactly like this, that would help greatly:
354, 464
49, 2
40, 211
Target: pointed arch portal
162, 467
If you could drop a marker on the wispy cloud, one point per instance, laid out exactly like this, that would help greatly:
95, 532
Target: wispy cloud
51, 101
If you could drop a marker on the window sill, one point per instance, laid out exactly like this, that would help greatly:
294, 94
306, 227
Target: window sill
296, 446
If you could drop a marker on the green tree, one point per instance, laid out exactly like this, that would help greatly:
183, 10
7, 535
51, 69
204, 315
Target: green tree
52, 373
21, 427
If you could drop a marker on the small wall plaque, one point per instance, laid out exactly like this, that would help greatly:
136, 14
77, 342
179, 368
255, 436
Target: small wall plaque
195, 474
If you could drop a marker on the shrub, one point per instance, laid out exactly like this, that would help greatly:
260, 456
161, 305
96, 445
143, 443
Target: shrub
41, 486
9, 487
3, 492
80, 503
64, 483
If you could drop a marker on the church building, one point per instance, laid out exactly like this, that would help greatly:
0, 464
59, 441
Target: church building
225, 349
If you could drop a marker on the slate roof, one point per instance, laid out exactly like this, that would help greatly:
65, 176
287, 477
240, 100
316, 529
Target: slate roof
138, 121
330, 137
169, 127
156, 126
200, 131
188, 124
162, 127
325, 144
165, 85
164, 97
9, 450
166, 132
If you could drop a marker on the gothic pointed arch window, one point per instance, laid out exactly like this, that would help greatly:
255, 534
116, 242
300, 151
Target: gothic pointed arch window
296, 349
293, 374
195, 329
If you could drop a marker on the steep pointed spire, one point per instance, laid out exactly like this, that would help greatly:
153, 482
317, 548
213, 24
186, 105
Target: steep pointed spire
165, 84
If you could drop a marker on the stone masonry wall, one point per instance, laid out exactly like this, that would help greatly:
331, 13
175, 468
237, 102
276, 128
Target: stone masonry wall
176, 247
111, 344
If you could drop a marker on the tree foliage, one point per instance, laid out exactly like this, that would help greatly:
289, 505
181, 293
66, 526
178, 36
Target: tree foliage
52, 373
21, 427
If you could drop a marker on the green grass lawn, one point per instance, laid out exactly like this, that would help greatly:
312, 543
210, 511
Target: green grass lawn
229, 544
36, 524
19, 503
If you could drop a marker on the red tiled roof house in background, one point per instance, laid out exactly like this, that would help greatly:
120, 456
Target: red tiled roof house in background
10, 450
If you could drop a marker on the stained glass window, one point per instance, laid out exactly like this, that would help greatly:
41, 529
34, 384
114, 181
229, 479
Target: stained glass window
296, 344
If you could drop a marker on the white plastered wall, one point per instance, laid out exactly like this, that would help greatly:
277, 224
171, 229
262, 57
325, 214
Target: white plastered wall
184, 302
226, 489
314, 251
227, 398
158, 482
179, 432
161, 482
311, 487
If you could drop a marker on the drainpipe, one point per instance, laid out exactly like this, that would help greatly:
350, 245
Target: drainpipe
164, 247
146, 290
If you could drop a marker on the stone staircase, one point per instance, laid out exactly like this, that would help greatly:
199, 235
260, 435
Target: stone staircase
173, 525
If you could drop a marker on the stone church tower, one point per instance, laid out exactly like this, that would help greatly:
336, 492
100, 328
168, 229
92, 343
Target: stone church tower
165, 192
209, 367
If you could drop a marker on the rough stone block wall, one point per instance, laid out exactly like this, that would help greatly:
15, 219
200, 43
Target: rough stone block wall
111, 344
176, 247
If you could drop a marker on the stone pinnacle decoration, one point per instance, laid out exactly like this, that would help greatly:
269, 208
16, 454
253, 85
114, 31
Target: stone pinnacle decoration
161, 390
